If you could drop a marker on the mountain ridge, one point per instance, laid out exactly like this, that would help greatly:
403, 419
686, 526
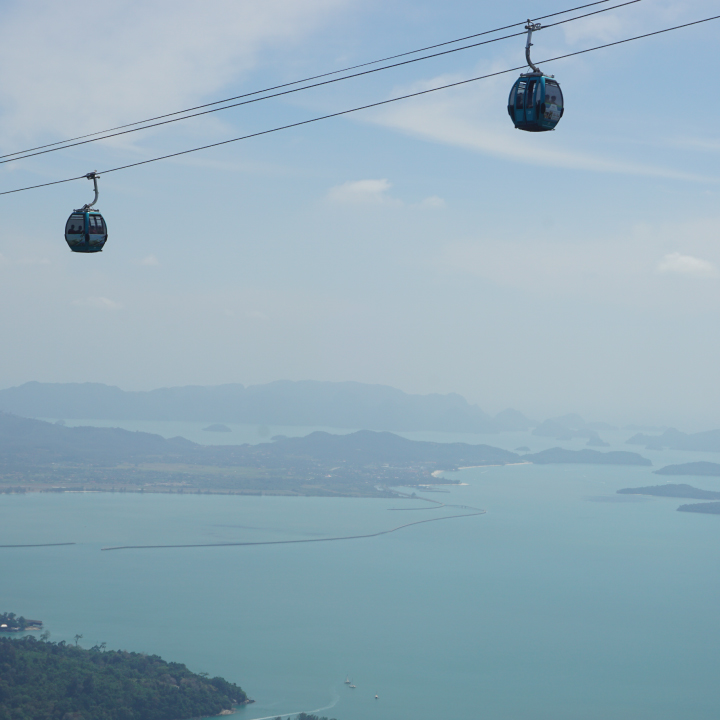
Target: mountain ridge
37, 455
283, 402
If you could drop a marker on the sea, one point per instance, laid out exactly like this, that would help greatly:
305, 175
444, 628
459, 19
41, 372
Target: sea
565, 601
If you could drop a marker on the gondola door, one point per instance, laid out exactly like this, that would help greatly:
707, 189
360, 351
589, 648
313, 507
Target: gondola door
530, 106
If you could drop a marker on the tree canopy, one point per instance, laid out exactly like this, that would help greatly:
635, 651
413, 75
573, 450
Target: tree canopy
55, 681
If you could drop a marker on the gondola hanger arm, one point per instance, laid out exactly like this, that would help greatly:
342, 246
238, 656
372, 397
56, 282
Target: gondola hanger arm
94, 177
532, 27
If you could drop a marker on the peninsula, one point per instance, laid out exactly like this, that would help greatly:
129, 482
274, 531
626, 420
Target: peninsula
673, 491
49, 681
708, 469
9, 622
41, 456
586, 457
711, 508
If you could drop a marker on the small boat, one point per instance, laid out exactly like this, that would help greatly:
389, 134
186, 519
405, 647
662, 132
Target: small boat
347, 680
376, 697
352, 686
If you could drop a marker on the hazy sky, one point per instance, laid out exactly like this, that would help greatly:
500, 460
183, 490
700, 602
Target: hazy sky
426, 245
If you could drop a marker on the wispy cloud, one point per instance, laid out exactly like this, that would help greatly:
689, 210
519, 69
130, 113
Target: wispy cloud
157, 54
461, 121
459, 117
375, 192
600, 28
627, 263
98, 302
545, 267
434, 202
149, 261
695, 143
686, 265
363, 192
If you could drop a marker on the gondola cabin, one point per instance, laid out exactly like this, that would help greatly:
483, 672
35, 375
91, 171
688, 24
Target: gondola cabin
86, 231
535, 103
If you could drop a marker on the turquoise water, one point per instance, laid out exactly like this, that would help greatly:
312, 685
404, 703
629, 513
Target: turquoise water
564, 601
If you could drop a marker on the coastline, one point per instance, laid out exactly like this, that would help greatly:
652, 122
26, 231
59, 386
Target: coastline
29, 628
186, 490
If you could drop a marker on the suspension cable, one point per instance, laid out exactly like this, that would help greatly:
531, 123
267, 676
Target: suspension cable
72, 142
365, 107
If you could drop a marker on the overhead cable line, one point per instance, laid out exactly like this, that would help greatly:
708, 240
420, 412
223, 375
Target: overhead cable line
294, 82
308, 87
364, 107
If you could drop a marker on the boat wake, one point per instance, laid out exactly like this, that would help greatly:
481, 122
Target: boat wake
308, 712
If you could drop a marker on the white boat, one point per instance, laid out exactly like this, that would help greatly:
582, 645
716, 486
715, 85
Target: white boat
347, 680
352, 686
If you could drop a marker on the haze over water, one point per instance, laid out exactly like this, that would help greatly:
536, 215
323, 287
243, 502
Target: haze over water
564, 601
425, 245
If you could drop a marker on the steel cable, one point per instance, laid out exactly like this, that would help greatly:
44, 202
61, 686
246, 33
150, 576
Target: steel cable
366, 107
72, 142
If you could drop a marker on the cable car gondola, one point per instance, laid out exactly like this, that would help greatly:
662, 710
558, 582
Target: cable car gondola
85, 230
536, 101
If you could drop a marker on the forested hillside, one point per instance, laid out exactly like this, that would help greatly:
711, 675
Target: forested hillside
54, 681
37, 455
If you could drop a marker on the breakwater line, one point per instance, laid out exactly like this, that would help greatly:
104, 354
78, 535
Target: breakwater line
437, 507
437, 504
37, 545
295, 542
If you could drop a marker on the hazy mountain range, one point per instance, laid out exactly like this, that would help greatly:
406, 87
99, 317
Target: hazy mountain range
38, 455
568, 427
31, 442
309, 403
26, 441
339, 405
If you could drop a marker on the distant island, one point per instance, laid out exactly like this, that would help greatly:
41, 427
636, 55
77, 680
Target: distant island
43, 680
597, 441
41, 456
708, 441
586, 457
9, 622
217, 427
711, 508
568, 427
673, 491
701, 468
